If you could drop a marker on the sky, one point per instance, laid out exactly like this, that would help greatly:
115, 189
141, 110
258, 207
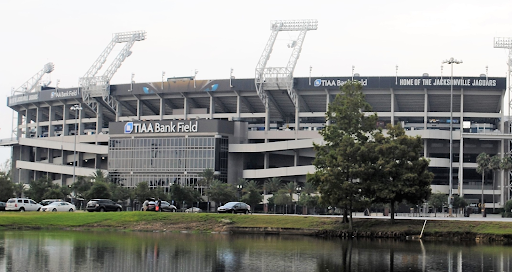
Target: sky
213, 37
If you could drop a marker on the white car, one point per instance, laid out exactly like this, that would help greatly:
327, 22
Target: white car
22, 204
59, 206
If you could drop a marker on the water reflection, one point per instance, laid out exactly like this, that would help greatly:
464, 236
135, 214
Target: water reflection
113, 251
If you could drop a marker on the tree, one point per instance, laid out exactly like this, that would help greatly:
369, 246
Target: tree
142, 191
397, 171
252, 194
459, 202
221, 192
494, 165
281, 198
508, 209
119, 192
347, 131
99, 189
437, 200
38, 188
6, 187
81, 186
100, 175
482, 161
272, 185
182, 194
207, 177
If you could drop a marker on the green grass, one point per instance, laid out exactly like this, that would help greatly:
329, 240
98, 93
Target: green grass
204, 222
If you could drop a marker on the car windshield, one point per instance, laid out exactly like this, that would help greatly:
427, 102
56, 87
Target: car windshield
230, 204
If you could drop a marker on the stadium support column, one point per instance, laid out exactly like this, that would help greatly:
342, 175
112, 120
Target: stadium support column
327, 102
119, 111
19, 122
99, 119
392, 106
425, 111
461, 146
162, 108
297, 119
185, 107
51, 118
65, 117
212, 105
139, 108
39, 116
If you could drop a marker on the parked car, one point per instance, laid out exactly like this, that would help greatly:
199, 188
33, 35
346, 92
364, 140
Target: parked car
164, 205
234, 207
2, 206
193, 210
103, 205
22, 204
59, 206
49, 201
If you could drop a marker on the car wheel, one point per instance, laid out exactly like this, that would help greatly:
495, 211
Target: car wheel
22, 209
246, 212
119, 209
54, 210
173, 210
233, 212
102, 209
71, 210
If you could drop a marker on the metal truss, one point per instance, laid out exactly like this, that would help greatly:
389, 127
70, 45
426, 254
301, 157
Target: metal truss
504, 42
280, 78
94, 86
28, 87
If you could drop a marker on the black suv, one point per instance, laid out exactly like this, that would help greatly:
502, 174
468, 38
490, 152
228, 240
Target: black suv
103, 205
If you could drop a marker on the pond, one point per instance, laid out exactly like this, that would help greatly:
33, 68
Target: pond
165, 251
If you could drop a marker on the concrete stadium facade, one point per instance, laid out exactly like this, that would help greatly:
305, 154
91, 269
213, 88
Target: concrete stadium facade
168, 132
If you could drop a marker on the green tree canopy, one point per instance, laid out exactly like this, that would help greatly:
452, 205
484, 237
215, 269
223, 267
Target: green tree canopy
38, 188
6, 187
438, 200
397, 171
99, 189
221, 192
182, 194
142, 191
349, 128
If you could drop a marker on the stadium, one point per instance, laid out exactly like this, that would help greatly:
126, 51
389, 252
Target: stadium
168, 131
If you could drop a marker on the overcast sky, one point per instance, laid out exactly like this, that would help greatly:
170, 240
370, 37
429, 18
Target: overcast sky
214, 36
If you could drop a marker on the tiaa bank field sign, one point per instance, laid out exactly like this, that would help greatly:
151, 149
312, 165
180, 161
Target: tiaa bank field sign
157, 127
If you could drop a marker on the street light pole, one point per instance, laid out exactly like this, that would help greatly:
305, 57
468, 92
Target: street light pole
239, 188
77, 108
451, 61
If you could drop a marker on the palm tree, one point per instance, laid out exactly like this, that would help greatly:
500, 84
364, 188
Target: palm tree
482, 162
273, 184
207, 177
494, 165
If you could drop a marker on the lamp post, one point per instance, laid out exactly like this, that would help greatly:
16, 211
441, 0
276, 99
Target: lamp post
77, 108
298, 197
239, 188
451, 61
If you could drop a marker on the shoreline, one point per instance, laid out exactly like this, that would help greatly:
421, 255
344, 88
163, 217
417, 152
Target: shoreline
319, 226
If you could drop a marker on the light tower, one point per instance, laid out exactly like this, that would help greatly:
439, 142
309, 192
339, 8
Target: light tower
451, 61
506, 42
281, 78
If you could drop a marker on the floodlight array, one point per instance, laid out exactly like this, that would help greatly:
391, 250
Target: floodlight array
501, 42
294, 25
